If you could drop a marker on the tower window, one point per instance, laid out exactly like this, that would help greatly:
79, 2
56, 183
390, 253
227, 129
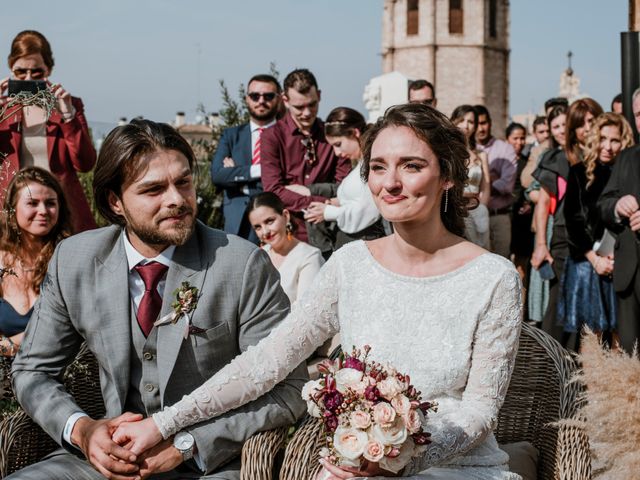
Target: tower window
412, 17
456, 16
493, 11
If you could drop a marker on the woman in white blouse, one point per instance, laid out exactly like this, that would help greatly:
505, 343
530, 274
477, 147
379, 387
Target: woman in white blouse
296, 261
353, 208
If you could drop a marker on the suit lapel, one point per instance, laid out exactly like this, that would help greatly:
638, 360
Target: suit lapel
114, 313
187, 265
245, 142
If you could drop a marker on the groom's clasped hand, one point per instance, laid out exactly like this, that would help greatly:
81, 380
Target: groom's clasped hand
125, 447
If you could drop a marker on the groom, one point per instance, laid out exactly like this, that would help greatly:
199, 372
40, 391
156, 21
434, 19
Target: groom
108, 286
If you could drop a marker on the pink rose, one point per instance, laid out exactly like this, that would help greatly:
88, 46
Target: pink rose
390, 387
413, 421
393, 434
383, 414
373, 451
398, 462
401, 403
360, 419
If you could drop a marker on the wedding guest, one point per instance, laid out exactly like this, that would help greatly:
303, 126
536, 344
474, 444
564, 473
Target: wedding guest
552, 173
235, 167
620, 213
479, 186
616, 104
352, 208
538, 292
502, 168
295, 155
36, 218
462, 325
422, 91
297, 262
61, 143
587, 296
522, 214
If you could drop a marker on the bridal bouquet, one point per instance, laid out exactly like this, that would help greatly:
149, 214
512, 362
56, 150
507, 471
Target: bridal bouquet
370, 412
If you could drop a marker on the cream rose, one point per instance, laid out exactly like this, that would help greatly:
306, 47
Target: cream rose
390, 387
350, 378
413, 421
373, 451
310, 389
401, 404
350, 443
383, 414
395, 434
313, 409
360, 419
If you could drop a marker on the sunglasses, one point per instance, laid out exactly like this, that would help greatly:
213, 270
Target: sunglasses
309, 150
36, 73
268, 97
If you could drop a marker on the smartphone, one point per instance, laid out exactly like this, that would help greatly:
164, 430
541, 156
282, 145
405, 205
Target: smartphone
29, 86
546, 271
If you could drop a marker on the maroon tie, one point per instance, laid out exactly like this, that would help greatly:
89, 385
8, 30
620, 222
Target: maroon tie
149, 308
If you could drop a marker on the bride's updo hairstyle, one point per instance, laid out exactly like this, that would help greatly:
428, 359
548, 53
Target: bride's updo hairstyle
448, 144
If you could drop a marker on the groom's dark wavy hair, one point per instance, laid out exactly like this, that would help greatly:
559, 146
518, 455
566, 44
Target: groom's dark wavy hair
447, 142
122, 159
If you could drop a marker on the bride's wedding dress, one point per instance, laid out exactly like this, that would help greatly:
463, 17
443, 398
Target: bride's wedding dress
455, 334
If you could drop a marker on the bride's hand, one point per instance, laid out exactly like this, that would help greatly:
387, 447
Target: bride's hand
138, 436
369, 469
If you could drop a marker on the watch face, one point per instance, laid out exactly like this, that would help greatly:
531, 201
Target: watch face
183, 441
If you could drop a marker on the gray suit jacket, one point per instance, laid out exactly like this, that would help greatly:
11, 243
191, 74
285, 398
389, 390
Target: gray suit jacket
85, 297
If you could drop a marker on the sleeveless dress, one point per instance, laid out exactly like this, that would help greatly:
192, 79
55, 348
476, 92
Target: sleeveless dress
456, 335
477, 223
12, 322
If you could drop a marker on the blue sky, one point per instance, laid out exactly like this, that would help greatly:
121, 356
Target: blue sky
128, 58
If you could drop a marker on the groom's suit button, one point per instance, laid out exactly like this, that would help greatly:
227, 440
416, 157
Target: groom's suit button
147, 356
149, 387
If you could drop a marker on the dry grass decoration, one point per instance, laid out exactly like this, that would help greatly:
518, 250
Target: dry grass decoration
611, 414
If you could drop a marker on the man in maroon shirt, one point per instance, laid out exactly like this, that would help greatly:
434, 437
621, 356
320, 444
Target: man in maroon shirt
296, 157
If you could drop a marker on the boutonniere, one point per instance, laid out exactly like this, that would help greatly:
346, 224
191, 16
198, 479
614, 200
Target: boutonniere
185, 303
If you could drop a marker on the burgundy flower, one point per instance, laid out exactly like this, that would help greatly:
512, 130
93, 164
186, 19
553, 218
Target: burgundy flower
421, 438
425, 407
331, 422
352, 362
371, 393
332, 400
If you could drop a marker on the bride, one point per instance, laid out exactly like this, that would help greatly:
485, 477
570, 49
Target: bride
427, 301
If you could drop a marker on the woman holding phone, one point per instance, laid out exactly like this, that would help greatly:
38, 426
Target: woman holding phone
60, 143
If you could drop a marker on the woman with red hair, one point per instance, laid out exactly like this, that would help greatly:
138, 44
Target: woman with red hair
59, 143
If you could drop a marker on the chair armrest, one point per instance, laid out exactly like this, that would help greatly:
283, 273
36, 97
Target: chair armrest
259, 454
303, 451
564, 452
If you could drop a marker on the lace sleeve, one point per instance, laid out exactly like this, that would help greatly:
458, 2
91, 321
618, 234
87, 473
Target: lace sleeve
456, 430
313, 320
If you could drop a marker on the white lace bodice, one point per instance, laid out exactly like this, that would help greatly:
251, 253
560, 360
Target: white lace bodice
475, 178
455, 334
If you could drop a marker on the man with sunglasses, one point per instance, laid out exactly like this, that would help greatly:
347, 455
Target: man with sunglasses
236, 165
298, 164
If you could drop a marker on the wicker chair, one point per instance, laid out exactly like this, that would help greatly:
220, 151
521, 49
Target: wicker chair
22, 442
539, 395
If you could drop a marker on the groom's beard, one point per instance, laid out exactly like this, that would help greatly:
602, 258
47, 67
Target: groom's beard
178, 235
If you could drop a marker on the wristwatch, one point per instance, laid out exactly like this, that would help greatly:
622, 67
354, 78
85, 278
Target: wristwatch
184, 442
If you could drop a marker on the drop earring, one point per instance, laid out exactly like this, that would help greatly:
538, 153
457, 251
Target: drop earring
289, 231
446, 200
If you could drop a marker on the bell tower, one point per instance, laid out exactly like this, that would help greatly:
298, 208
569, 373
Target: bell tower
461, 46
